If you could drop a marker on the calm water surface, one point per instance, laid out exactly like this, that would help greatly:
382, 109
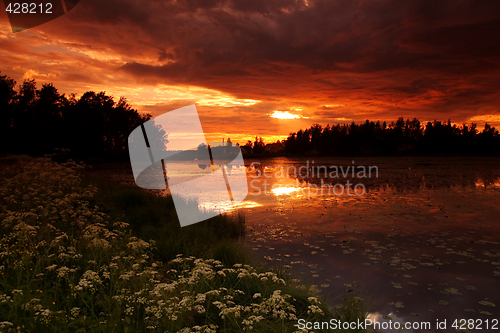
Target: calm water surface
421, 244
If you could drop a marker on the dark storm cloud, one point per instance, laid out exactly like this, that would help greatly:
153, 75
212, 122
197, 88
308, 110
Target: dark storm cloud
385, 58
327, 35
399, 49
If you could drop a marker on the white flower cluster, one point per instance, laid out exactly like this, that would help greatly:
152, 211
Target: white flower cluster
64, 263
89, 281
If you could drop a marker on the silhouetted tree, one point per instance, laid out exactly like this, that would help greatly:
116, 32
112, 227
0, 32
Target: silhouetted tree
7, 98
398, 138
38, 121
258, 145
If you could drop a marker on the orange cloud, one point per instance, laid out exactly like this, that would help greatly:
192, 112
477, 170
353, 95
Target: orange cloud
338, 61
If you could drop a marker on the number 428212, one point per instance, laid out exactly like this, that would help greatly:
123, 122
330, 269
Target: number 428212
29, 8
478, 324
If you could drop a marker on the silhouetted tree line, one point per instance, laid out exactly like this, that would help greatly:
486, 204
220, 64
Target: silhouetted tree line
37, 121
397, 138
257, 147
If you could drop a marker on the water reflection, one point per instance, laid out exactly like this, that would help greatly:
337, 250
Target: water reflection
288, 182
402, 174
247, 204
389, 323
422, 244
285, 190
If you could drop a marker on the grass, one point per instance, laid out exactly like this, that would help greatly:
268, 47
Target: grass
83, 254
153, 217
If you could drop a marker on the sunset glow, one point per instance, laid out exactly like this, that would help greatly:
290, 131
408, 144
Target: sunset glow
248, 72
248, 204
351, 145
284, 115
284, 190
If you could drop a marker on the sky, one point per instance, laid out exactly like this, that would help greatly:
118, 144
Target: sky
271, 67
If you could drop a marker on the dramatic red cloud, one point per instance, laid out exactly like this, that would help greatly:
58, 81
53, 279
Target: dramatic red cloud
240, 61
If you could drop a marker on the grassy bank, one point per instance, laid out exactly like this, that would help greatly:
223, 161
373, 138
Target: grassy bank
153, 217
82, 254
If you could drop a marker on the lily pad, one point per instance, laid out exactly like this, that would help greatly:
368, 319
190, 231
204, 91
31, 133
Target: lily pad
487, 303
486, 313
453, 291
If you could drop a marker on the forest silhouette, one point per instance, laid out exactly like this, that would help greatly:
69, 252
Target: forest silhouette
403, 137
38, 121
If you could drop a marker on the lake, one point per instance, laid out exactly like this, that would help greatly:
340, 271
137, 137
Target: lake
420, 240
418, 237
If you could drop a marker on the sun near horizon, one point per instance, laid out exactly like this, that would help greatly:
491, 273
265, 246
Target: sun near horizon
270, 69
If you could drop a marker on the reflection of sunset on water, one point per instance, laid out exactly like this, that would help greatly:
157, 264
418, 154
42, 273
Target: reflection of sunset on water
248, 204
284, 190
422, 242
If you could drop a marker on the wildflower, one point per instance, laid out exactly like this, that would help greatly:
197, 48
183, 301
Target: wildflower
5, 299
200, 309
5, 324
218, 304
200, 298
314, 309
313, 299
63, 271
89, 280
75, 312
137, 244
